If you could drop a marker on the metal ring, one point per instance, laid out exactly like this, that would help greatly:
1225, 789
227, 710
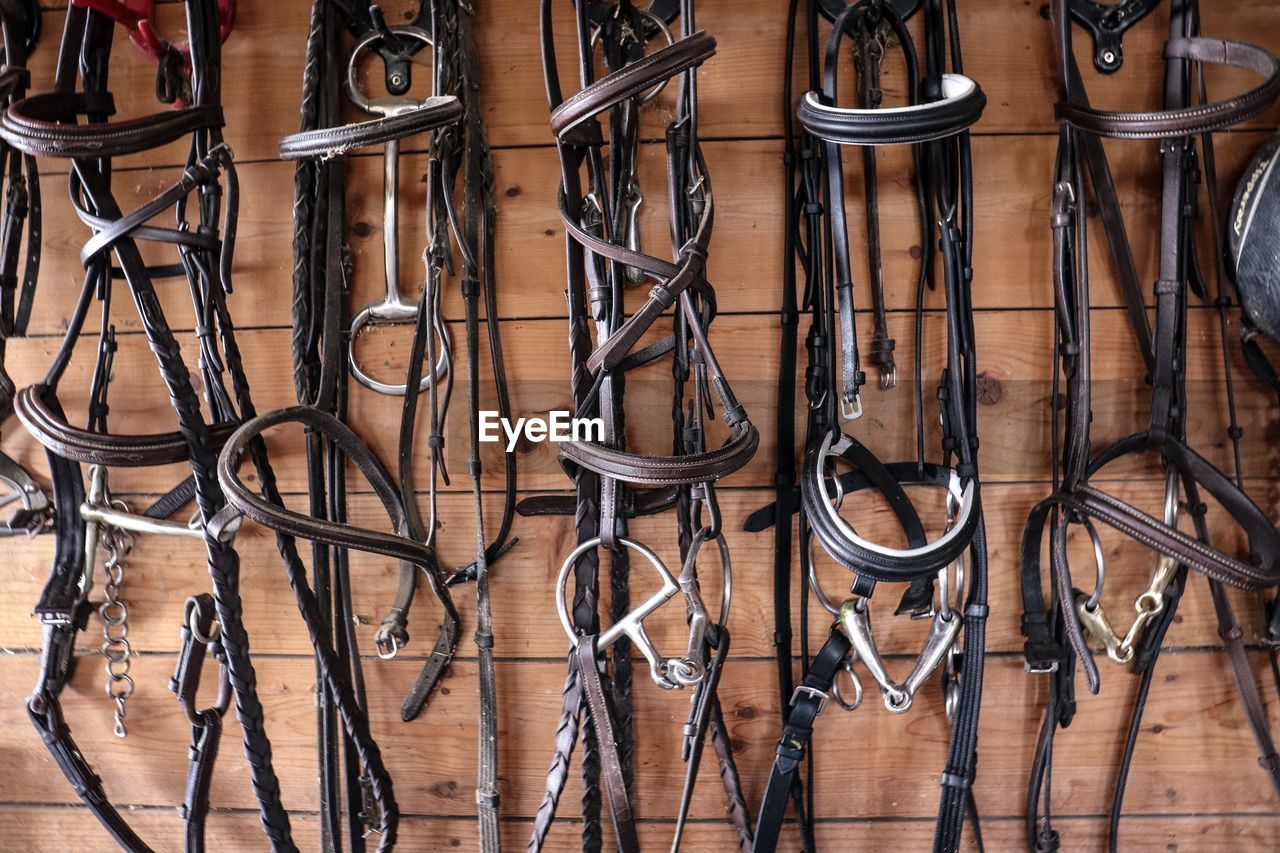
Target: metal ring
662, 27
371, 312
570, 560
1100, 564
365, 45
387, 641
816, 585
837, 694
189, 616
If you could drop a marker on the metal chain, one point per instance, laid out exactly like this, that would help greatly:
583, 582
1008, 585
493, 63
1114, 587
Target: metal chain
114, 614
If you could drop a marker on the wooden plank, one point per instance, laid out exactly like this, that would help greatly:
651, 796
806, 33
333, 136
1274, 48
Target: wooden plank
1012, 249
1217, 803
161, 572
29, 827
1014, 361
1193, 712
737, 88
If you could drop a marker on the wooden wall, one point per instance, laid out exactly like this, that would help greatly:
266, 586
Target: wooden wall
1195, 784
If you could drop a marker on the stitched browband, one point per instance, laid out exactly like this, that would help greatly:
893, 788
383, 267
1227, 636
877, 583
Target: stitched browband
95, 448
37, 125
437, 111
1188, 121
641, 75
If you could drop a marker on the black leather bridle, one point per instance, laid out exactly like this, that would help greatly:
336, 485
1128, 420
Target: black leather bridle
20, 233
942, 105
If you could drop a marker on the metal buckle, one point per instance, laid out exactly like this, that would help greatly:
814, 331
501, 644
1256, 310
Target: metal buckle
821, 695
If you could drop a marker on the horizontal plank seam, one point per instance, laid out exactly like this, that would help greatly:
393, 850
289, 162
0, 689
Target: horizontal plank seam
1261, 130
422, 817
20, 652
543, 318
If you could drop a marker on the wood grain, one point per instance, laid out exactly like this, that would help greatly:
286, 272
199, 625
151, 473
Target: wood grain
1194, 784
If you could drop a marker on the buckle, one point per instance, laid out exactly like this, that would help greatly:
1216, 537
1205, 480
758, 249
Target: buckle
1040, 667
820, 695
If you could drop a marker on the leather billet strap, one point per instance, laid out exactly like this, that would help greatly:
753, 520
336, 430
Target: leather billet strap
1194, 120
807, 703
46, 715
611, 769
63, 598
437, 111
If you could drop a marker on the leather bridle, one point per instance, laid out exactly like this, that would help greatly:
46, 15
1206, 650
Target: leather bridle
48, 125
599, 198
943, 104
1056, 634
460, 203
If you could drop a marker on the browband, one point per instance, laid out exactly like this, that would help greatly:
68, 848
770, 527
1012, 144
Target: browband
95, 448
1188, 121
666, 470
436, 111
37, 125
613, 89
961, 106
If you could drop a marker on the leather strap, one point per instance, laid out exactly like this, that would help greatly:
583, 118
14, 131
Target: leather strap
807, 703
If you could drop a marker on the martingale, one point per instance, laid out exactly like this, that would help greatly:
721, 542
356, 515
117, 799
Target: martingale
1058, 635
599, 199
47, 125
460, 213
946, 577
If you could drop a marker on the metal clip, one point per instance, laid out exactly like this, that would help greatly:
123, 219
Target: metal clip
851, 410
